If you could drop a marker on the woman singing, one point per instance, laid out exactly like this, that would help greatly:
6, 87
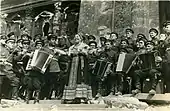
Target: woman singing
77, 89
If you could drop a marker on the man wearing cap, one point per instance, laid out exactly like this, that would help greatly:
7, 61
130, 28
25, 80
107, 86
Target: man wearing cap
33, 78
129, 37
63, 60
153, 36
112, 57
114, 39
92, 57
91, 38
147, 66
14, 80
11, 35
5, 65
53, 70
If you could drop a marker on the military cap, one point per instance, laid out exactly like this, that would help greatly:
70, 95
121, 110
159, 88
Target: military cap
93, 42
143, 39
166, 23
125, 41
108, 40
10, 39
103, 54
102, 39
26, 42
37, 36
91, 37
10, 34
2, 36
153, 30
51, 36
150, 42
39, 42
114, 33
25, 35
19, 40
140, 35
129, 30
50, 33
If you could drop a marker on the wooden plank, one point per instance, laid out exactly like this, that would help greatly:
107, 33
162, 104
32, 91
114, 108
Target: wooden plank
157, 98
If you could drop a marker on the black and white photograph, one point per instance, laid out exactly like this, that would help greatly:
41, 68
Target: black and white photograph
84, 55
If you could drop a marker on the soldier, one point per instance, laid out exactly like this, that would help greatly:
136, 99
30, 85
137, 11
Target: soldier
114, 39
112, 57
6, 66
91, 38
147, 66
11, 35
153, 36
92, 57
101, 69
63, 61
18, 69
102, 41
129, 37
33, 78
120, 76
53, 71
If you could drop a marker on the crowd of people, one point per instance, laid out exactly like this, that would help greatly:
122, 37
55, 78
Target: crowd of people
83, 68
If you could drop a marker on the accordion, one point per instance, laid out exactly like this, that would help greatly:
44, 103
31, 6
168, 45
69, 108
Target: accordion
147, 60
102, 68
125, 61
40, 61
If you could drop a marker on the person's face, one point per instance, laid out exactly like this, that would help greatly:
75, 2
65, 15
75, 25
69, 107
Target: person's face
53, 40
113, 37
19, 44
11, 44
167, 28
124, 44
102, 42
141, 44
162, 36
2, 41
77, 38
12, 37
92, 46
149, 47
129, 34
38, 46
107, 36
25, 46
91, 39
152, 34
108, 45
25, 38
61, 41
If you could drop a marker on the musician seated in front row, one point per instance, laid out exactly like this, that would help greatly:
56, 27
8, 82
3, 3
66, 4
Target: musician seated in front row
120, 76
101, 69
146, 62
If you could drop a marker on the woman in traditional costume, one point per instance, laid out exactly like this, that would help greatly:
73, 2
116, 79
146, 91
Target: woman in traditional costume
77, 89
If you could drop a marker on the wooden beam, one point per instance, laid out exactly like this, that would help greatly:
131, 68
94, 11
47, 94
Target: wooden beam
157, 98
25, 6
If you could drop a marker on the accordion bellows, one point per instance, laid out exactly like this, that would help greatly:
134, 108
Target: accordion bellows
80, 91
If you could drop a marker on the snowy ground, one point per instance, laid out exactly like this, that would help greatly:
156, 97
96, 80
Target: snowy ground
54, 105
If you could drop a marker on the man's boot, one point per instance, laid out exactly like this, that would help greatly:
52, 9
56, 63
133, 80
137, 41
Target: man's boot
27, 97
37, 93
14, 93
